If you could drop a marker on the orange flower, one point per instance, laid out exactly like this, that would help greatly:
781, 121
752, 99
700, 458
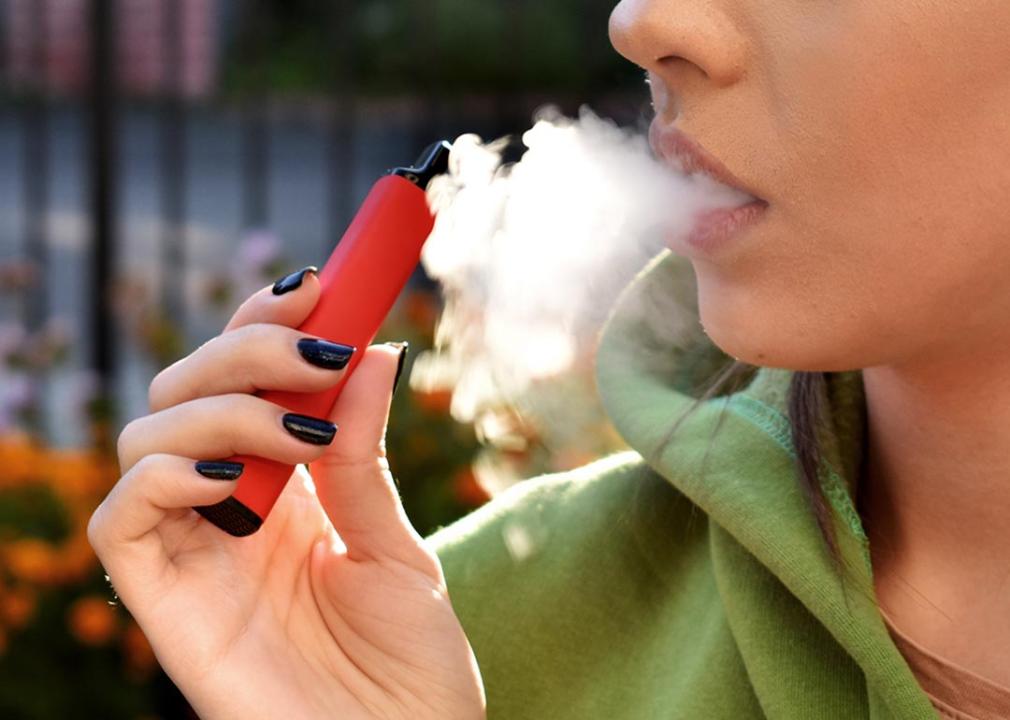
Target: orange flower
32, 560
78, 473
17, 605
76, 559
92, 620
20, 459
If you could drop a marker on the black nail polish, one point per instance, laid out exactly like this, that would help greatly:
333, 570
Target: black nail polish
293, 281
219, 469
325, 354
404, 348
310, 429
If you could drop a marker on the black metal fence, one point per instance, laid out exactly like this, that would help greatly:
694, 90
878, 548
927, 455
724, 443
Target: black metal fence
148, 137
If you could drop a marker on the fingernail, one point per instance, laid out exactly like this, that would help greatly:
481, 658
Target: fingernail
219, 469
310, 429
293, 281
404, 347
325, 354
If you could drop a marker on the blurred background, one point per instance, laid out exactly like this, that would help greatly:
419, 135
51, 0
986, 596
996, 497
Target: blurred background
160, 160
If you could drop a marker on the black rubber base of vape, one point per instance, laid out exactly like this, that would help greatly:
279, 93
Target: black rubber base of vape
232, 516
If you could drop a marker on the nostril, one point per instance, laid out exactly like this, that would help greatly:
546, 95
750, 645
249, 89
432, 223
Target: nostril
664, 102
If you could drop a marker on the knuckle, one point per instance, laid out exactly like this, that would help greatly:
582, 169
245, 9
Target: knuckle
257, 333
145, 467
125, 441
243, 405
162, 392
240, 416
96, 528
315, 452
339, 462
257, 360
156, 391
153, 482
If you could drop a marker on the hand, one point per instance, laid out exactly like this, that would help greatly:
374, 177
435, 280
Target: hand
335, 607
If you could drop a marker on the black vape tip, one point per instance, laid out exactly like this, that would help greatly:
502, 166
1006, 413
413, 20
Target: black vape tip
433, 161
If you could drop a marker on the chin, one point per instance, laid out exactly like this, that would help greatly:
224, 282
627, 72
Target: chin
772, 339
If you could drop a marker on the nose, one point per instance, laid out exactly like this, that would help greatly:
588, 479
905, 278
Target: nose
679, 42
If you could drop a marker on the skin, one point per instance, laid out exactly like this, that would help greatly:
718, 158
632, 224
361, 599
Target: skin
336, 607
878, 132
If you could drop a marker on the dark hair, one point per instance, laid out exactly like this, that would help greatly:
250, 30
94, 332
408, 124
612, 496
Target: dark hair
806, 402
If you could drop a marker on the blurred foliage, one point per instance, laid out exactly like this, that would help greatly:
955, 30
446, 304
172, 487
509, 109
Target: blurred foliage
57, 626
56, 618
430, 46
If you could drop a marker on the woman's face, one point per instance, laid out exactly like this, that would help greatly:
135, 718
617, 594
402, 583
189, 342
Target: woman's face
879, 134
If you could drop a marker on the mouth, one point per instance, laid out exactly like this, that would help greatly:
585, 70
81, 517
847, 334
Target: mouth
713, 229
682, 153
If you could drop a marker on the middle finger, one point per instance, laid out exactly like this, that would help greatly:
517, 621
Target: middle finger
260, 356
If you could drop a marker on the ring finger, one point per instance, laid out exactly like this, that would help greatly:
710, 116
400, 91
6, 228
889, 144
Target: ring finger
220, 426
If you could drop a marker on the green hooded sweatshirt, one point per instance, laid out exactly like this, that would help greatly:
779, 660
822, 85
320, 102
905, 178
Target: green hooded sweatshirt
686, 577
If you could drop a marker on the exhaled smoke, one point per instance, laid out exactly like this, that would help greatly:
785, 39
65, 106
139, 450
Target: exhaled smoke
532, 254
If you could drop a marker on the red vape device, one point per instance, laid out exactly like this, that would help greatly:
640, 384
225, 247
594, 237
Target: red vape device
360, 282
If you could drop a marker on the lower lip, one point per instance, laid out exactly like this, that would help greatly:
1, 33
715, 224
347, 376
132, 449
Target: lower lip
714, 228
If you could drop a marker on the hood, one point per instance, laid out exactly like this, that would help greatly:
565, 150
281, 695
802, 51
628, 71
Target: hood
733, 457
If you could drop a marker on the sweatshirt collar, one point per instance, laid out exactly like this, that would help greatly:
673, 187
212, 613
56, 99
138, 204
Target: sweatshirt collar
733, 457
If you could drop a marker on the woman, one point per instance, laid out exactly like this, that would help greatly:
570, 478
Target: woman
824, 542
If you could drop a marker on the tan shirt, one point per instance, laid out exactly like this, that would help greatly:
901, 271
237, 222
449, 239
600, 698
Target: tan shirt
956, 693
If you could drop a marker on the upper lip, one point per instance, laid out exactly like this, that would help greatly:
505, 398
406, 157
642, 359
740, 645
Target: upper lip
682, 151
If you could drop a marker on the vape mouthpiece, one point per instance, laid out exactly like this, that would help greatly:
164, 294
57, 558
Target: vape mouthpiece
433, 161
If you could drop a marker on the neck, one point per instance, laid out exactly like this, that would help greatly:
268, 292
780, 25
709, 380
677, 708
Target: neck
935, 491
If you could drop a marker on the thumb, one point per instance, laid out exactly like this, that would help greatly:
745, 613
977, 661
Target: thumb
352, 478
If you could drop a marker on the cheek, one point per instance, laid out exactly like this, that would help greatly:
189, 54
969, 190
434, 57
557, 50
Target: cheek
891, 232
898, 114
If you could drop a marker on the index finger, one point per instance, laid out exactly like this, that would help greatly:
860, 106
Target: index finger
287, 302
